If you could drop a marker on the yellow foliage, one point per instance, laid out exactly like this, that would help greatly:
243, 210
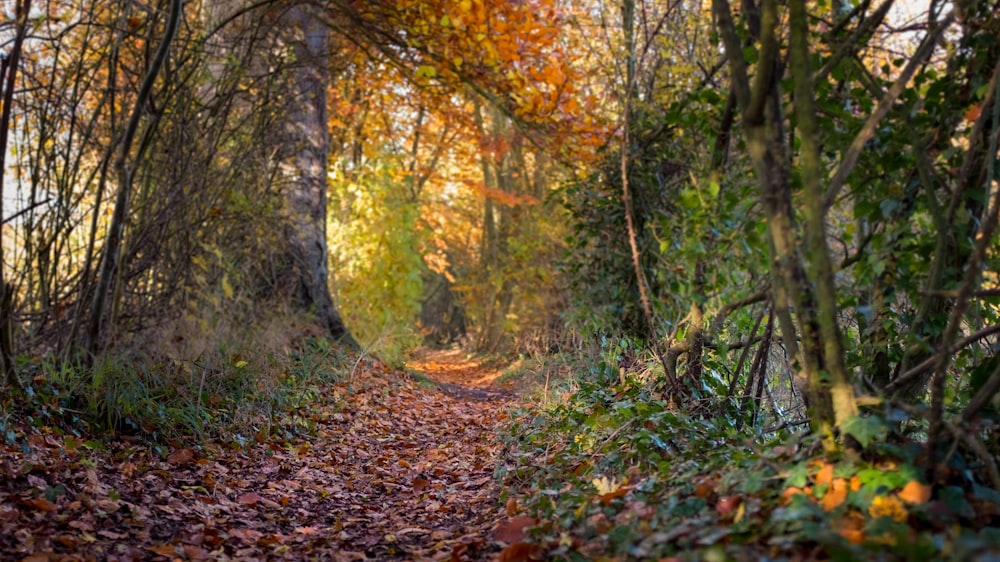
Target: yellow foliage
888, 506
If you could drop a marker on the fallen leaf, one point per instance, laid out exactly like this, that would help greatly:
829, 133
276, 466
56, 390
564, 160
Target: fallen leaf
788, 493
606, 498
458, 550
113, 535
521, 552
180, 457
727, 505
825, 474
164, 550
248, 536
888, 506
916, 493
851, 529
196, 552
249, 499
836, 495
41, 504
512, 530
511, 507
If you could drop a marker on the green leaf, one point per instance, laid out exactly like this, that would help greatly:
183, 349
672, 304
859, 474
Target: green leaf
864, 428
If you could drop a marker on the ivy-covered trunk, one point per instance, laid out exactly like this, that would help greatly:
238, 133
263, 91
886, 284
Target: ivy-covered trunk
802, 274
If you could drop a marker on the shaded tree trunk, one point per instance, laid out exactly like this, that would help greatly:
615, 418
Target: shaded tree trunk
302, 145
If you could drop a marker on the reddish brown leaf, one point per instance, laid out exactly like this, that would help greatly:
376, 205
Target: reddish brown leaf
180, 457
511, 507
727, 505
41, 504
164, 550
512, 530
249, 499
113, 535
248, 536
196, 553
521, 552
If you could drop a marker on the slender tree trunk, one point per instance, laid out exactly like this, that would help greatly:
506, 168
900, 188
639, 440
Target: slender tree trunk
8, 78
109, 275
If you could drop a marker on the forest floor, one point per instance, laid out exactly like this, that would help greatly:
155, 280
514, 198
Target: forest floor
393, 467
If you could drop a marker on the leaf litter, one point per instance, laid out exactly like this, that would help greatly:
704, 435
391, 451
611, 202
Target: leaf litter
393, 469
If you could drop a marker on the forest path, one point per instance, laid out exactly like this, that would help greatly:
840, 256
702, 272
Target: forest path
393, 469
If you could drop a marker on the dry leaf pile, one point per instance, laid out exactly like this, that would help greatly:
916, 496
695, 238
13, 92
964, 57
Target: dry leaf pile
393, 470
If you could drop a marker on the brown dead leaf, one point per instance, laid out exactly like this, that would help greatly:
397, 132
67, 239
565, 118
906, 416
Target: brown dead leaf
521, 552
41, 504
459, 550
512, 530
727, 505
249, 499
164, 550
511, 507
608, 497
113, 535
704, 489
916, 493
180, 457
248, 536
196, 552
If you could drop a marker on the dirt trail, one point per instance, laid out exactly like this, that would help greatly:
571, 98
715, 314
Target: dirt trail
395, 470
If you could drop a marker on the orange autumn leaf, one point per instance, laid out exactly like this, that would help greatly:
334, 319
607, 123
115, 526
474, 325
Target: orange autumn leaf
915, 493
836, 495
851, 529
825, 474
786, 496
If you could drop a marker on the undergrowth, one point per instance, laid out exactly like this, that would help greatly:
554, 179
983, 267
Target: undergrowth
617, 473
231, 393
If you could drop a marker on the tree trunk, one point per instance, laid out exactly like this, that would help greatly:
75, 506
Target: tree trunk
303, 150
